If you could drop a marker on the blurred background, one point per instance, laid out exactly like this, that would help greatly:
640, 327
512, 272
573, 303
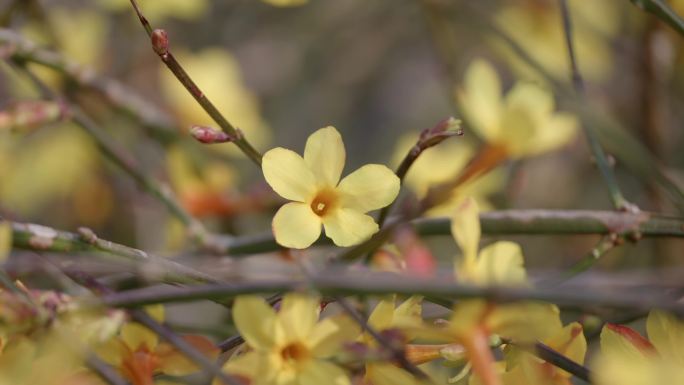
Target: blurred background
379, 71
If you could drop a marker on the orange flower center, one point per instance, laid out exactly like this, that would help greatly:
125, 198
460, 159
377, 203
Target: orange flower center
294, 352
324, 201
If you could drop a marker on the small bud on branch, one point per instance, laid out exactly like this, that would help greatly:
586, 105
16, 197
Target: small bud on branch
210, 135
160, 42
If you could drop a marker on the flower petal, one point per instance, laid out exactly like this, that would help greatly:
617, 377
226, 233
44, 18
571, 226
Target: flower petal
255, 320
559, 130
465, 227
388, 374
382, 315
298, 314
481, 99
135, 335
371, 187
501, 263
245, 366
175, 363
666, 333
328, 335
295, 225
325, 155
348, 227
288, 175
322, 372
623, 341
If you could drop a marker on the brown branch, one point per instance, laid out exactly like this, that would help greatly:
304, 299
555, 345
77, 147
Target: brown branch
160, 45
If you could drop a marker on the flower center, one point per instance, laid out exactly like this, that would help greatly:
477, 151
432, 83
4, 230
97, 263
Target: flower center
323, 202
294, 352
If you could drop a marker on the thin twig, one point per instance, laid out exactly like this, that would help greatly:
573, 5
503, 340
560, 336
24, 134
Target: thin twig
104, 371
126, 162
184, 347
160, 44
42, 238
123, 98
619, 201
662, 11
377, 284
397, 353
559, 360
428, 138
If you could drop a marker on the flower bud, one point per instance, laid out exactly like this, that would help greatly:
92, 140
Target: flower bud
209, 135
160, 42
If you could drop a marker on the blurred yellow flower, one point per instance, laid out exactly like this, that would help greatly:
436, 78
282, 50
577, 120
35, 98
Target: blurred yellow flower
218, 75
312, 183
286, 3
290, 346
138, 354
500, 263
523, 368
51, 164
158, 10
536, 26
627, 358
443, 163
523, 123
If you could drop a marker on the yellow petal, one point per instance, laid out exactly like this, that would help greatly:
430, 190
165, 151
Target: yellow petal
156, 312
388, 374
321, 372
524, 321
298, 314
328, 336
519, 135
559, 130
243, 366
481, 99
325, 155
531, 98
255, 320
382, 315
348, 227
371, 187
135, 336
285, 3
570, 342
5, 239
666, 333
501, 263
296, 225
618, 340
410, 309
465, 227
175, 363
288, 175
113, 351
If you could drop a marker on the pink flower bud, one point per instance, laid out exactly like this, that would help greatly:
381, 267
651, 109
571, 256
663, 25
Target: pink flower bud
160, 42
209, 135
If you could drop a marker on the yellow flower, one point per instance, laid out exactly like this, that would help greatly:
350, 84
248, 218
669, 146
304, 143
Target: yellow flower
158, 10
443, 163
290, 347
312, 183
139, 355
500, 263
523, 123
536, 26
386, 316
627, 358
285, 3
523, 367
